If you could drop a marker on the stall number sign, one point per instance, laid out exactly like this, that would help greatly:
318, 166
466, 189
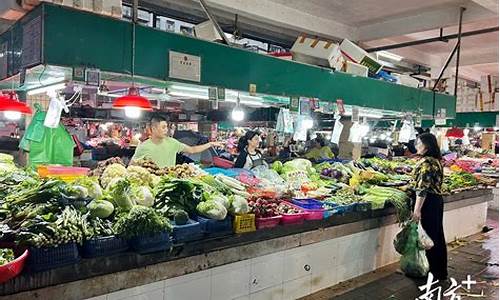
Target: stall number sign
184, 66
441, 117
294, 103
216, 93
355, 114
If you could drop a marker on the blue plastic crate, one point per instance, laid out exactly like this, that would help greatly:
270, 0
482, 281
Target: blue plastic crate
103, 246
151, 243
363, 206
191, 231
216, 170
338, 209
215, 227
308, 203
46, 258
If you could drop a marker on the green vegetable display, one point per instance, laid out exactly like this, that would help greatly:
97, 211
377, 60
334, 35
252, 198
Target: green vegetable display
177, 194
377, 196
6, 256
140, 221
100, 209
98, 228
111, 172
119, 192
458, 180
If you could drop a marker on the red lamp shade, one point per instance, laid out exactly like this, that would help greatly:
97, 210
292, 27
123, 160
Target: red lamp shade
132, 99
11, 103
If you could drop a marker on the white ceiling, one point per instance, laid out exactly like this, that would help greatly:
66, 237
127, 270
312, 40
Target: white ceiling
372, 23
375, 23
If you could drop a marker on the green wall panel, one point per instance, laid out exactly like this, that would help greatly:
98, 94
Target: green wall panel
484, 119
73, 38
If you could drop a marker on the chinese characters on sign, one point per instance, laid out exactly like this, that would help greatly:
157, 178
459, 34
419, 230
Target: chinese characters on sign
436, 292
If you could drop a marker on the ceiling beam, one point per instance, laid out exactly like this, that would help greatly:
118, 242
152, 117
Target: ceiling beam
421, 21
491, 5
268, 14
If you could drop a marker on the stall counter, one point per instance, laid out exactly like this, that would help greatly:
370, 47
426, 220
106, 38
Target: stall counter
287, 261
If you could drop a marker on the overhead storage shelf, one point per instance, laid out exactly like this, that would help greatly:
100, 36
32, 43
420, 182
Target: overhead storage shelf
72, 38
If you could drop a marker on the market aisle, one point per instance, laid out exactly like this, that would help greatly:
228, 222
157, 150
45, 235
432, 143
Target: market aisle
476, 256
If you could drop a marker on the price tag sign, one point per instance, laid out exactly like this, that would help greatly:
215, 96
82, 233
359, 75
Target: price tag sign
252, 89
355, 114
92, 77
79, 74
212, 93
221, 94
294, 103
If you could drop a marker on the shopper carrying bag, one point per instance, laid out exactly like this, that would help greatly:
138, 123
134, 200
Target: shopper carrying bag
428, 208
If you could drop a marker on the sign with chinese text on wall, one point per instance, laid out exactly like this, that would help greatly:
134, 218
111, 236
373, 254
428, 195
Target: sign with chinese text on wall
184, 66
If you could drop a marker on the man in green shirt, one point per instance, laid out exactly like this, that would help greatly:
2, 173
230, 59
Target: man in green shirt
163, 149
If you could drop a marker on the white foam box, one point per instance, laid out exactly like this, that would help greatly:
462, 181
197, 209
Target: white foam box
354, 53
489, 84
355, 69
206, 31
407, 80
317, 52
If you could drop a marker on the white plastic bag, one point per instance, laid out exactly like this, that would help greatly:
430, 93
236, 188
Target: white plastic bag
53, 113
426, 242
337, 131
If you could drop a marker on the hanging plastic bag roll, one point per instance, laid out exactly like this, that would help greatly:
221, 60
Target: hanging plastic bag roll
53, 113
337, 131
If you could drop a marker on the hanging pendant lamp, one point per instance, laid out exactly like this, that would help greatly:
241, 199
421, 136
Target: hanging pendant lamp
11, 107
133, 103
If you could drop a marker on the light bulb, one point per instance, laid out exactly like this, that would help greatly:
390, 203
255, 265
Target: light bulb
238, 114
495, 128
372, 140
132, 112
308, 123
12, 115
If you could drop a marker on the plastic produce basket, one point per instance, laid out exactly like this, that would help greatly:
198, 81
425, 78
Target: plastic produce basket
292, 219
215, 227
244, 223
222, 163
363, 206
14, 268
103, 246
151, 243
271, 222
308, 203
42, 259
191, 231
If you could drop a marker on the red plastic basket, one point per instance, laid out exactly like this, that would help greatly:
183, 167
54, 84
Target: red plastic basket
222, 163
270, 222
290, 219
14, 268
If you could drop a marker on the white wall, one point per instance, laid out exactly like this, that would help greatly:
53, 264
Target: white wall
300, 271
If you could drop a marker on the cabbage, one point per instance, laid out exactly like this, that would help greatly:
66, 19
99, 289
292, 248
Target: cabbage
100, 209
119, 191
143, 195
212, 209
239, 205
298, 164
111, 172
93, 188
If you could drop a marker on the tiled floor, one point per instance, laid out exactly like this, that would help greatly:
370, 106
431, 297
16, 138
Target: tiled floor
476, 256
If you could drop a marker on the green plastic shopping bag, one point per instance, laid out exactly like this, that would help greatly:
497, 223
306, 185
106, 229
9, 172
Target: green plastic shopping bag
47, 145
